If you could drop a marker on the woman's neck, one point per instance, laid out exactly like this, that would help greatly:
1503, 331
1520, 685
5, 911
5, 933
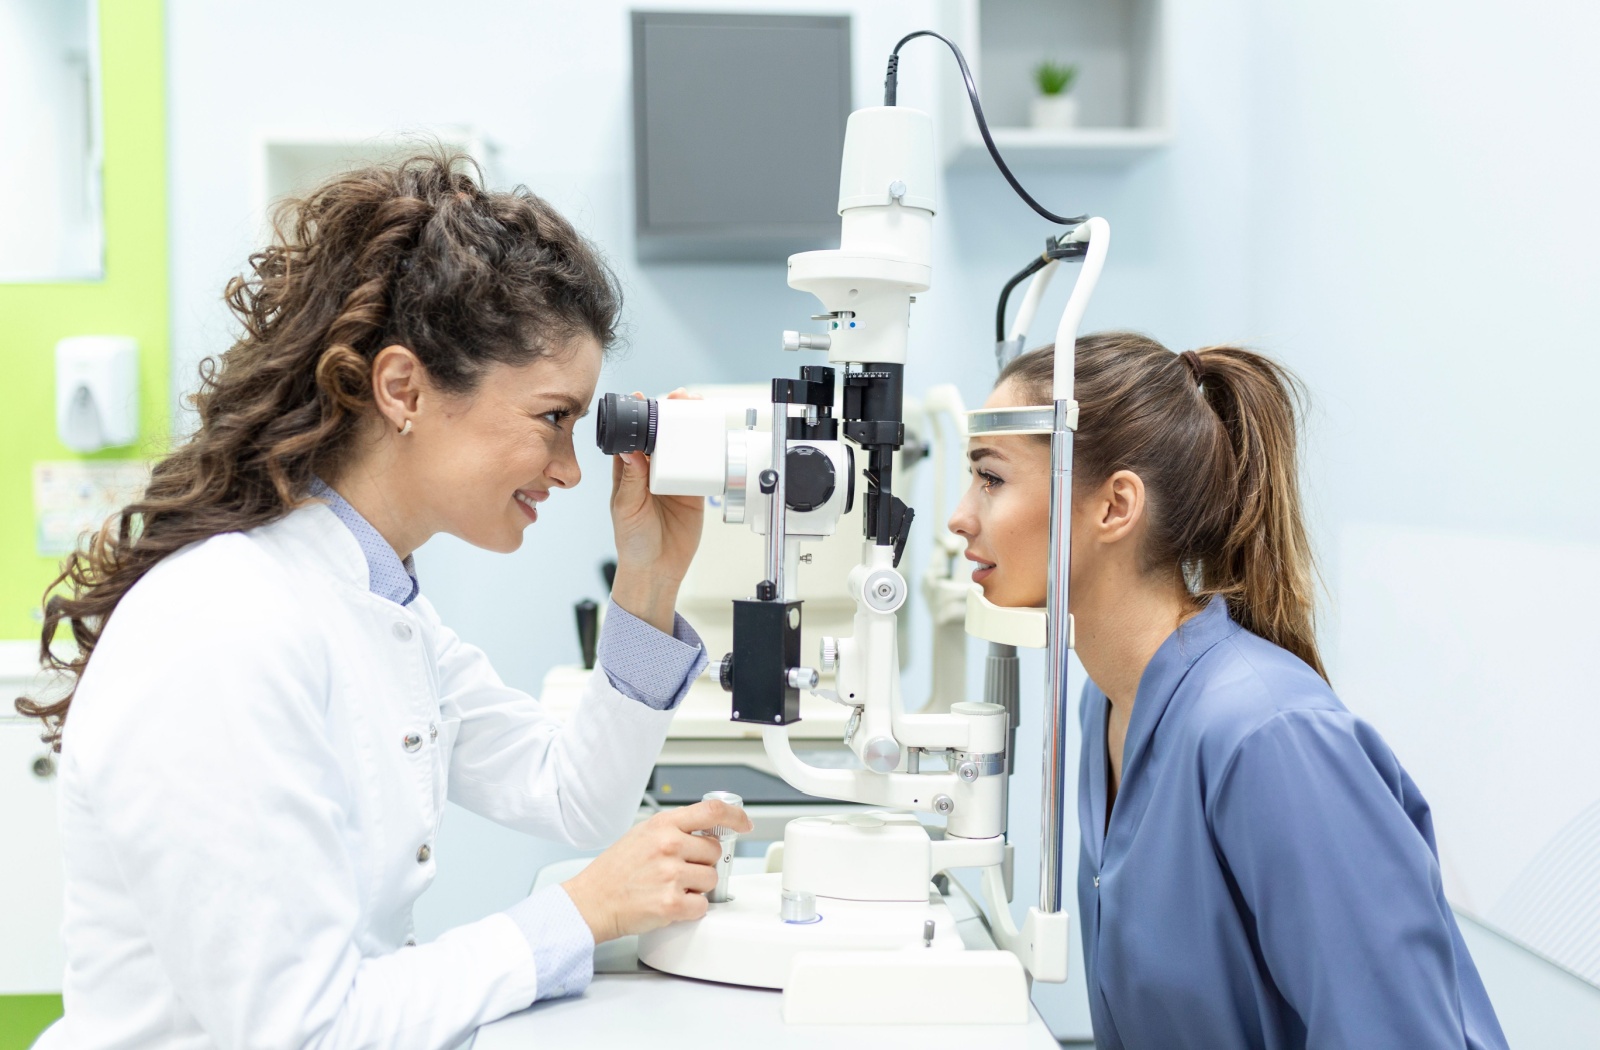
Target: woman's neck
385, 510
1118, 629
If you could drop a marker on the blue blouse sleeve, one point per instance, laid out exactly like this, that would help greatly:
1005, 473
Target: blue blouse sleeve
1311, 816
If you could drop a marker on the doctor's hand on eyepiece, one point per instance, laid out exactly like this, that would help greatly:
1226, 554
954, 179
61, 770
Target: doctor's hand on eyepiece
656, 539
658, 873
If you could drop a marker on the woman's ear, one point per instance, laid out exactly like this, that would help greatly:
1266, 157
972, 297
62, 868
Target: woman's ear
397, 384
1122, 506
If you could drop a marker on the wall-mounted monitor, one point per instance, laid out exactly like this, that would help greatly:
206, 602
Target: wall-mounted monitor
738, 129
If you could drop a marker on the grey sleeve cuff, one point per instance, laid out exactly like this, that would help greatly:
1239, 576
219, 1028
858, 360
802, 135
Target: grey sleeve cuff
563, 947
645, 665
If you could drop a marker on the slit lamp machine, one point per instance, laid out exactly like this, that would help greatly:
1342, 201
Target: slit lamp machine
853, 906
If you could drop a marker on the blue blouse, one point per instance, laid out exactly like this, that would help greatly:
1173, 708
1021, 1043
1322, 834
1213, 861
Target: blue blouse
1268, 877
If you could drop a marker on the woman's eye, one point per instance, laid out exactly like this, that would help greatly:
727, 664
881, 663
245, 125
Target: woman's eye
557, 416
989, 480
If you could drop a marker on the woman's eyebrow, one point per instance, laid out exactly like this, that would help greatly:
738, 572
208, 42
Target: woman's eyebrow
569, 403
983, 452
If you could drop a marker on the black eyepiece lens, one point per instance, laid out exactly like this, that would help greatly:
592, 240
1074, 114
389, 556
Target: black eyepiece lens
626, 424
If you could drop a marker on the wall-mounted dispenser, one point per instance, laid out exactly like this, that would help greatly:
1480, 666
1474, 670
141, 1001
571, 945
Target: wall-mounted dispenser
97, 392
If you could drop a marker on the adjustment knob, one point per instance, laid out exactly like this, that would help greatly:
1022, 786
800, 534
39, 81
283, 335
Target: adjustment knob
830, 654
725, 673
802, 677
811, 478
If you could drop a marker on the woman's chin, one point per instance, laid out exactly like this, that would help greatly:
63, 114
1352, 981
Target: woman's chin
997, 593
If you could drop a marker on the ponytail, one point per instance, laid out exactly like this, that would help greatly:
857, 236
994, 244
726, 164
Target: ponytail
1264, 566
1212, 433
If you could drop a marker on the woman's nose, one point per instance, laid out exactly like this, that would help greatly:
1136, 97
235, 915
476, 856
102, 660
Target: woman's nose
563, 470
963, 522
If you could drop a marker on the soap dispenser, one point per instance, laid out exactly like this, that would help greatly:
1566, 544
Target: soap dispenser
97, 392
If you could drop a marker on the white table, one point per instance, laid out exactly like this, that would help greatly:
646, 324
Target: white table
629, 1005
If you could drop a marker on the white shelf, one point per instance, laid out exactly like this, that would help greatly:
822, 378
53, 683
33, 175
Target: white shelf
1079, 145
1123, 88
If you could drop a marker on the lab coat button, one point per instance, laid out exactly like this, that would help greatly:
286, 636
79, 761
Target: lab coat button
402, 630
1097, 882
433, 731
411, 741
411, 942
423, 854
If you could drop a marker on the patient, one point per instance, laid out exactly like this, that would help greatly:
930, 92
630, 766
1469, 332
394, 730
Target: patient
1256, 868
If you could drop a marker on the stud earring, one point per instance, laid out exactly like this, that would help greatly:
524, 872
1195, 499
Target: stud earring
405, 429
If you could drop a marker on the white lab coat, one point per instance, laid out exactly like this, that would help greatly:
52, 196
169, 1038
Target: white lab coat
252, 778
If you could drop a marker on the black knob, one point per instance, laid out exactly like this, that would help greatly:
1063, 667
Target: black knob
588, 630
766, 591
768, 481
810, 480
725, 673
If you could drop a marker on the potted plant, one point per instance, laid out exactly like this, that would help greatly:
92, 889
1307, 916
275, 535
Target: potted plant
1054, 107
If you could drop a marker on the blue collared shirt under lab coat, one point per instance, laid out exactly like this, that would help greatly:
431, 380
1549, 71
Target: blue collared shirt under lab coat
1269, 876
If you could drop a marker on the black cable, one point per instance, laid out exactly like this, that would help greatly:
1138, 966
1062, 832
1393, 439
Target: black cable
1053, 249
891, 88
1005, 294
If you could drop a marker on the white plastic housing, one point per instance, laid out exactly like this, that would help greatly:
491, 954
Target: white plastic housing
691, 442
811, 524
908, 986
744, 941
885, 145
97, 392
886, 203
859, 856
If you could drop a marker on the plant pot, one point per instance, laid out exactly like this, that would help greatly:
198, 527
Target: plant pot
1055, 112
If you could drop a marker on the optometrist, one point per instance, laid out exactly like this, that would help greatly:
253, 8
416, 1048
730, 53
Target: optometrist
267, 717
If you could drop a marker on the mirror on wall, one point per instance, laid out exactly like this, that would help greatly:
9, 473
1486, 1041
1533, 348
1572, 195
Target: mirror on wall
52, 225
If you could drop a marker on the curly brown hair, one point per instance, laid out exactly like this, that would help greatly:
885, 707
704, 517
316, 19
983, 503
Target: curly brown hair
416, 253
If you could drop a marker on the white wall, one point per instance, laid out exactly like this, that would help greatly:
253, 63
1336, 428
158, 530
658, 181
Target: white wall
1424, 223
1306, 205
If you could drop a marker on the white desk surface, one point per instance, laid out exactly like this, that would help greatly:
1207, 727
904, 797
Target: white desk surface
631, 1005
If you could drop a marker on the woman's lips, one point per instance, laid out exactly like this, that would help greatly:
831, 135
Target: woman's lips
981, 570
527, 502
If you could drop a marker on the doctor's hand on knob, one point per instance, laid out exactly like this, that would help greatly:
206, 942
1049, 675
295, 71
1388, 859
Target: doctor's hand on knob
656, 539
658, 873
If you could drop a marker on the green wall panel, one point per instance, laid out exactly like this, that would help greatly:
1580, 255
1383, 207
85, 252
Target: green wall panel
130, 300
23, 1017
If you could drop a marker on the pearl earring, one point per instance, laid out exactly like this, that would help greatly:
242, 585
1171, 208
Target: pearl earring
405, 429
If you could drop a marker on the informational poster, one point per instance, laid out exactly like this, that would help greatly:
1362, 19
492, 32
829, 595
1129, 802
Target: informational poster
74, 497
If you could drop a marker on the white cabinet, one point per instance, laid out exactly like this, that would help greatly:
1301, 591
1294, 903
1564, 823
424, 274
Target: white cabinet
31, 957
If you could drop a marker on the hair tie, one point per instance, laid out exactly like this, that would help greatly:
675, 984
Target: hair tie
1196, 367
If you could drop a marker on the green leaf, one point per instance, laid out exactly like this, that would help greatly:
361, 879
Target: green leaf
1054, 78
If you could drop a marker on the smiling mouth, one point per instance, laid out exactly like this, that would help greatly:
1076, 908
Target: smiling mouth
980, 569
529, 502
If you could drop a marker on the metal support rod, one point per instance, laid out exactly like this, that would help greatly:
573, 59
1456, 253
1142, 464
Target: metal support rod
1001, 686
1053, 779
776, 521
